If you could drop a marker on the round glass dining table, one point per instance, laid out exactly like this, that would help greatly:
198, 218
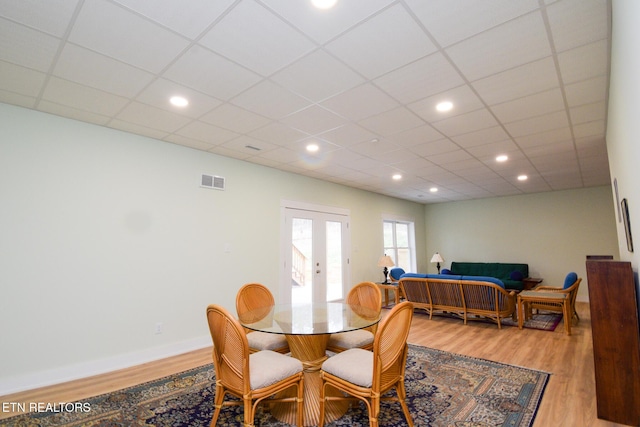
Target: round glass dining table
308, 328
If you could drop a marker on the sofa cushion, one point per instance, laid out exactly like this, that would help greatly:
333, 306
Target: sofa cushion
446, 271
516, 275
485, 279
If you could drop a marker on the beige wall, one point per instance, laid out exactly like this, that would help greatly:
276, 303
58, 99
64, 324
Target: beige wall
105, 234
552, 232
623, 127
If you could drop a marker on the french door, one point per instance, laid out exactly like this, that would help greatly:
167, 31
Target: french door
315, 251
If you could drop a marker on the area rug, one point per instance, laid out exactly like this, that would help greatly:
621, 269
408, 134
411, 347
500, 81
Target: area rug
444, 389
541, 321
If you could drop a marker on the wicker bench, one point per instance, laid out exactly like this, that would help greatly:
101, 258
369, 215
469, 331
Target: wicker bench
465, 296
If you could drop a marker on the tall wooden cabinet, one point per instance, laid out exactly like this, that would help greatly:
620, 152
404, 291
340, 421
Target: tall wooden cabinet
616, 340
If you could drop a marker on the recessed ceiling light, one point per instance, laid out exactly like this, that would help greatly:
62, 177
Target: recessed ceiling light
444, 106
324, 4
523, 178
502, 158
397, 177
434, 189
312, 148
179, 101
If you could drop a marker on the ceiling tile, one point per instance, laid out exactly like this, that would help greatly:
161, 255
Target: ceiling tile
537, 76
270, 100
207, 72
348, 134
588, 113
577, 22
234, 118
23, 46
422, 78
512, 44
482, 136
429, 149
538, 124
587, 92
256, 39
463, 98
360, 102
155, 118
471, 16
371, 50
206, 132
20, 80
83, 97
72, 113
392, 121
50, 17
100, 72
465, 123
529, 106
278, 133
189, 18
415, 136
323, 25
317, 76
313, 119
160, 91
113, 31
584, 62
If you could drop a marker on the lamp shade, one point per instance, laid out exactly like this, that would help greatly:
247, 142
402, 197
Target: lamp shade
385, 261
437, 258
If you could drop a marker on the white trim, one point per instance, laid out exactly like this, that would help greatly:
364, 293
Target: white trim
96, 367
304, 206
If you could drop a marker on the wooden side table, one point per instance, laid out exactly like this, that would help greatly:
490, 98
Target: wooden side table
391, 286
530, 282
526, 297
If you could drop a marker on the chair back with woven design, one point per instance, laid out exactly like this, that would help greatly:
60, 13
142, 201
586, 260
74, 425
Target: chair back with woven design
390, 347
252, 297
230, 350
368, 296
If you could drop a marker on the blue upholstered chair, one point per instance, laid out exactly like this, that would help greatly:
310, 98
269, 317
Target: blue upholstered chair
569, 287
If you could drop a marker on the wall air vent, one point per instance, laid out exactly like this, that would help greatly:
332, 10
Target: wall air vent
212, 181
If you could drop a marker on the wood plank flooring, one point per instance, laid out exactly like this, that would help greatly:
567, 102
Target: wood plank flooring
569, 399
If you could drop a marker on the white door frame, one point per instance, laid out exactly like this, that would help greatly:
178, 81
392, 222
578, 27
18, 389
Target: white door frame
284, 291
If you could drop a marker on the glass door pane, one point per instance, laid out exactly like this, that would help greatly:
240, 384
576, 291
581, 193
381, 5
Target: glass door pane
314, 250
301, 257
335, 286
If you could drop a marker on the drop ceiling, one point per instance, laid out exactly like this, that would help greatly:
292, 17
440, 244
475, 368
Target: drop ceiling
264, 78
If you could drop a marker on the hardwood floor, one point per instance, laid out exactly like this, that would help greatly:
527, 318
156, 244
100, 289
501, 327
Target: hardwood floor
569, 399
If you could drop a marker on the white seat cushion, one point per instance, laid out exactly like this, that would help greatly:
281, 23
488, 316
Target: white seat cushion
266, 341
354, 365
267, 367
351, 339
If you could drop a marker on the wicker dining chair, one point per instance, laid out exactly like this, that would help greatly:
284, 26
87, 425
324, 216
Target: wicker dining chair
368, 296
253, 297
570, 287
368, 375
252, 377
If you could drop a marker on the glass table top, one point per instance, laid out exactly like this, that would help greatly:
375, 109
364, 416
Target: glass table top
310, 319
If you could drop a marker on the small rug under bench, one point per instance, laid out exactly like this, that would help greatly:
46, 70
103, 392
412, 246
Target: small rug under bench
444, 390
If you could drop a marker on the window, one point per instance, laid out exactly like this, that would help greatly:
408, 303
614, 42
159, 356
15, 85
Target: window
399, 243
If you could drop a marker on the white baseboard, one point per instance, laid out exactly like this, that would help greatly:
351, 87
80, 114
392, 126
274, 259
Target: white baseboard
95, 367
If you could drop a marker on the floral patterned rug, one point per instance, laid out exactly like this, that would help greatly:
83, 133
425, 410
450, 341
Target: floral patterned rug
444, 390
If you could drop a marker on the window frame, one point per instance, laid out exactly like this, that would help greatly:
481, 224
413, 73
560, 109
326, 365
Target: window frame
392, 251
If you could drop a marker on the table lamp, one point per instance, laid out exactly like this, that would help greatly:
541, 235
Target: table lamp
385, 261
437, 258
